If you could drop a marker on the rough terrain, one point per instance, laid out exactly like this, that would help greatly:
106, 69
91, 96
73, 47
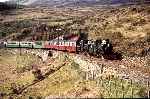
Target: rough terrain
72, 75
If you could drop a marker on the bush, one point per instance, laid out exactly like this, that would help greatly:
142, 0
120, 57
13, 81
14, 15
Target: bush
2, 95
113, 36
140, 22
15, 88
147, 37
3, 34
23, 69
148, 62
145, 52
115, 87
117, 35
37, 74
75, 65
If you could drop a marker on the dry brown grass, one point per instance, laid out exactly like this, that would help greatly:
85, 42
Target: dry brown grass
126, 28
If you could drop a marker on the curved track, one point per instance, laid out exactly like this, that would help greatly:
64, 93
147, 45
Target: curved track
130, 68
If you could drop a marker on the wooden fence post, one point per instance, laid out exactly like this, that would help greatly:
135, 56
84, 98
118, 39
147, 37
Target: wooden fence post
148, 93
131, 90
101, 81
93, 74
102, 68
122, 88
97, 81
87, 75
109, 86
115, 88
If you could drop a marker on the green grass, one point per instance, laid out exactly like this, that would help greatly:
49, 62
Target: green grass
57, 83
24, 62
5, 88
116, 88
10, 62
66, 81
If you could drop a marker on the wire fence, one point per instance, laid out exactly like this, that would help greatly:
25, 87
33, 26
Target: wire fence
115, 87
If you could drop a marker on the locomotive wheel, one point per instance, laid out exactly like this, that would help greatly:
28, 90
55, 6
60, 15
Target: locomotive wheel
113, 56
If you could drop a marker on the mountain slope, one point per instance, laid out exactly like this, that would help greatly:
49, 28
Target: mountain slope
78, 2
5, 6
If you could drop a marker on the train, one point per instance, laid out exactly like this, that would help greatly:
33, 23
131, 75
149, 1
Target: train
72, 43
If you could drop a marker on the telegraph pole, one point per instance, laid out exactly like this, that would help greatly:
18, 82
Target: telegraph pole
18, 3
58, 30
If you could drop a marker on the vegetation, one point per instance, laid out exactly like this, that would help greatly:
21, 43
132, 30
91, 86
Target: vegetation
66, 79
24, 63
5, 6
118, 88
126, 27
148, 37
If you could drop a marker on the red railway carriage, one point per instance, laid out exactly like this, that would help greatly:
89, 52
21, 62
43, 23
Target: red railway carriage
63, 43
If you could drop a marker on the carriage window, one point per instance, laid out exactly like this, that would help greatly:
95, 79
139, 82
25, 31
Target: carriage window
51, 42
38, 43
60, 43
70, 44
13, 43
73, 43
63, 43
66, 43
30, 43
55, 43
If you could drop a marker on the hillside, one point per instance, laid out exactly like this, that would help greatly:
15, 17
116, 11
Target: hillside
5, 6
130, 24
24, 74
75, 3
62, 76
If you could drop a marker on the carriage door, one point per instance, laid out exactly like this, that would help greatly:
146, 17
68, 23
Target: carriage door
67, 45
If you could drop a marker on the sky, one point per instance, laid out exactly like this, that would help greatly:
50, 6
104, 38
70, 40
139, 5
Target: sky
3, 0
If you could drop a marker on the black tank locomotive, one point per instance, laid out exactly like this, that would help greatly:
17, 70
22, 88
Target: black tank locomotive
95, 48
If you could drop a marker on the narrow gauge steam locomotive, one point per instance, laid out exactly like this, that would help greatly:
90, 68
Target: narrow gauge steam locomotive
69, 43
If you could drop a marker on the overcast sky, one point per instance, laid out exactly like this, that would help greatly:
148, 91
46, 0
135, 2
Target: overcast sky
3, 0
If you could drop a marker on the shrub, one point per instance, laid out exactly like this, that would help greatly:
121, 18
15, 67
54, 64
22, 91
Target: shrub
117, 35
15, 88
118, 88
75, 65
2, 95
140, 22
37, 74
30, 97
148, 62
23, 69
50, 54
3, 34
147, 37
145, 52
113, 36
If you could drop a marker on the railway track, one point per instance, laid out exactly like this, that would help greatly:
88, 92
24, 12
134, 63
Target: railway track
129, 68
